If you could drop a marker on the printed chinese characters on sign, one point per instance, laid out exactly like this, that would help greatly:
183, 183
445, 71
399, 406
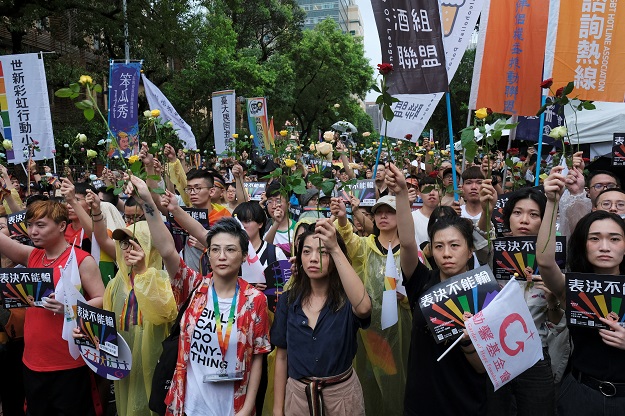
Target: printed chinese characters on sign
591, 296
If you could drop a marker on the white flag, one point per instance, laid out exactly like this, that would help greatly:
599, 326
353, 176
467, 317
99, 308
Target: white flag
251, 269
389, 296
158, 101
67, 292
505, 336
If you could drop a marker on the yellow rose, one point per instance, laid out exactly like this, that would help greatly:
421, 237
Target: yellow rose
132, 159
481, 113
251, 136
235, 136
312, 147
85, 79
7, 144
324, 149
328, 136
81, 138
443, 152
289, 163
155, 113
283, 133
431, 153
92, 153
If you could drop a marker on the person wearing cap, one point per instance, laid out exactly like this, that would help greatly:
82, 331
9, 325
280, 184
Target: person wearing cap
224, 328
144, 306
381, 360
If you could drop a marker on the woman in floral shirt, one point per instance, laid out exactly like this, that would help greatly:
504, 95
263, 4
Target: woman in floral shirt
216, 374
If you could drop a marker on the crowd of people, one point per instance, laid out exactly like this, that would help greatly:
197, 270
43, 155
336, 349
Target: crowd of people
322, 348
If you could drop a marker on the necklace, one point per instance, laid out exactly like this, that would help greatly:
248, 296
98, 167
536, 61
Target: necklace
51, 261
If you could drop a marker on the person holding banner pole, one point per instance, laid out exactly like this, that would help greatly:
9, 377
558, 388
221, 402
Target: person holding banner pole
54, 381
456, 385
596, 382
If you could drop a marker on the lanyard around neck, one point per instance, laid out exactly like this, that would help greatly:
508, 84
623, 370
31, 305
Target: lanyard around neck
223, 343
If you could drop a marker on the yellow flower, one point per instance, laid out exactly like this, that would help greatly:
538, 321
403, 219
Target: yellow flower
155, 113
235, 136
419, 154
337, 105
289, 163
93, 153
251, 136
147, 114
431, 153
132, 159
7, 144
443, 152
85, 79
324, 149
66, 162
481, 113
283, 133
81, 138
328, 136
312, 147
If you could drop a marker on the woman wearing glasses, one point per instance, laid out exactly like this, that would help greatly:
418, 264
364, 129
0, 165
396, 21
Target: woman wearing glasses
225, 328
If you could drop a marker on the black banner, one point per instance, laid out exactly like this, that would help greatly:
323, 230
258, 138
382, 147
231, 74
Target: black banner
412, 41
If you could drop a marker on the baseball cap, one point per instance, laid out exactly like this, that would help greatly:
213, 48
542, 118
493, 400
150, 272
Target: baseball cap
385, 200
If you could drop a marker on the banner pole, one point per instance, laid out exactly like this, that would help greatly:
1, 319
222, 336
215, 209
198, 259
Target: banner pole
54, 163
377, 158
452, 151
540, 141
511, 136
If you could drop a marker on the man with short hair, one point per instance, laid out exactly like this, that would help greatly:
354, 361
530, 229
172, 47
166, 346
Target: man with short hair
429, 192
612, 200
577, 200
471, 181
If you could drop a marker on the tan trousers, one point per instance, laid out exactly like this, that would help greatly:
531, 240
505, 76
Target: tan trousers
344, 399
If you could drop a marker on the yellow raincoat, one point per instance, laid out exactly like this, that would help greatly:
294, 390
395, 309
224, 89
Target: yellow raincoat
382, 358
156, 312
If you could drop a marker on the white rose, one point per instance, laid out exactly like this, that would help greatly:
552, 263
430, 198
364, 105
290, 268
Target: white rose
558, 132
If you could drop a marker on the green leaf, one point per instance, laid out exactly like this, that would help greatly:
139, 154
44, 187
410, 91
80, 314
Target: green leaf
588, 105
63, 93
328, 186
375, 88
568, 88
154, 177
427, 189
88, 113
117, 191
81, 106
300, 189
379, 100
97, 88
158, 191
87, 103
387, 113
394, 100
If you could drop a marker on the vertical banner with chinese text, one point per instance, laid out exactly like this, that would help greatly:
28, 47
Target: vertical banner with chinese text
158, 101
25, 107
124, 107
259, 122
586, 46
412, 41
224, 121
413, 111
508, 63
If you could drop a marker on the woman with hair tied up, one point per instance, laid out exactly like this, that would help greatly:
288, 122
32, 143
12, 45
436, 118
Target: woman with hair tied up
456, 385
595, 384
315, 328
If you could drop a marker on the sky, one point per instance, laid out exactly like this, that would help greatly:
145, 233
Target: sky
372, 41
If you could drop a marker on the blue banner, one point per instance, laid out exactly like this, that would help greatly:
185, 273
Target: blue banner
123, 107
528, 126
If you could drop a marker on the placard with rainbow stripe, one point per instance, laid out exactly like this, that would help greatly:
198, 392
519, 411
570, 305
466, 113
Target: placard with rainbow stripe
24, 287
590, 296
444, 304
513, 254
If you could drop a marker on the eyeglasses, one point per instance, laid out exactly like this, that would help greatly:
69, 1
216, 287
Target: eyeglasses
124, 244
603, 186
620, 205
133, 217
194, 189
274, 201
229, 251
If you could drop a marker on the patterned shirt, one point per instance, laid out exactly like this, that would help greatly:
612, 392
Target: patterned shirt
252, 332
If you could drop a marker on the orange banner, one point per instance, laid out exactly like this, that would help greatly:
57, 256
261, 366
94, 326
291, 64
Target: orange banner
514, 49
590, 49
